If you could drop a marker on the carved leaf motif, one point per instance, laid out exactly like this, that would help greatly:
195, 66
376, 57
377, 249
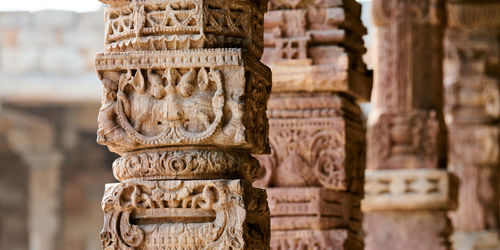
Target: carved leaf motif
185, 87
203, 79
138, 82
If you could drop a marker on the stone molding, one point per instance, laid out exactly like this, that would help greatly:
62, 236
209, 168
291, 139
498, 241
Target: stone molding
409, 189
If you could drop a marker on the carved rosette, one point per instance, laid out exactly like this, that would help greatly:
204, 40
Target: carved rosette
184, 105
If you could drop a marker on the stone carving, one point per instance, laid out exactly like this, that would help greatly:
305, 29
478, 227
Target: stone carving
200, 214
309, 143
185, 24
203, 164
404, 141
154, 99
315, 172
409, 189
184, 104
472, 60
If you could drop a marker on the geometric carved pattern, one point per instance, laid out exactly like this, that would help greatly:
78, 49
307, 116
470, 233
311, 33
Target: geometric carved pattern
185, 24
409, 189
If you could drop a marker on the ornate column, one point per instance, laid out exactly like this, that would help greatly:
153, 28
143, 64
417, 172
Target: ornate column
184, 104
408, 190
472, 78
315, 173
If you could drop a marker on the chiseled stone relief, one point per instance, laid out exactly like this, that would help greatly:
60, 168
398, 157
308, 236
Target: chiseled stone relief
315, 172
184, 105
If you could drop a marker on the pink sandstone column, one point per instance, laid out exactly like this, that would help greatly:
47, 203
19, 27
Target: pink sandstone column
472, 78
408, 190
315, 173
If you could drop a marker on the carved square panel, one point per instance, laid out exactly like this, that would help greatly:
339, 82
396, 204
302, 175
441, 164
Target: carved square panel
211, 214
183, 98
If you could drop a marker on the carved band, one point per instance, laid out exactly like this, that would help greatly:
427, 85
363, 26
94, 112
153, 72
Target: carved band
186, 164
184, 24
169, 214
409, 189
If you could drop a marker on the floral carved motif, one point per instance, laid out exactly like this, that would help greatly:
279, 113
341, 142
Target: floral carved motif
191, 164
182, 102
171, 214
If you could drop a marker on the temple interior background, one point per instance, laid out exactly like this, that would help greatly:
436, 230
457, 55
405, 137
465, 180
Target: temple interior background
52, 171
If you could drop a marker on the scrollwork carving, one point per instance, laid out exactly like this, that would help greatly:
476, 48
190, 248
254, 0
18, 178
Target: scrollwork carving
189, 164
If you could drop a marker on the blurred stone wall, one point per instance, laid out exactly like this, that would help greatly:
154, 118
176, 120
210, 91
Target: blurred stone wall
52, 172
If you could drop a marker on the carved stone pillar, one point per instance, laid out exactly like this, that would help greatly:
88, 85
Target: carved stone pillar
408, 190
315, 173
472, 78
184, 104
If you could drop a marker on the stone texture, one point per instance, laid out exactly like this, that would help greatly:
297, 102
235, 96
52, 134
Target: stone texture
408, 189
472, 76
184, 104
315, 172
416, 230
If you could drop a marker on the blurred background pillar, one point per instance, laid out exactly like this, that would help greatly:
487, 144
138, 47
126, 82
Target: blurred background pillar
315, 174
408, 190
472, 78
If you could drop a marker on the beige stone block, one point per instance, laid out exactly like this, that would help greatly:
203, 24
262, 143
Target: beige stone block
182, 98
409, 189
195, 214
310, 239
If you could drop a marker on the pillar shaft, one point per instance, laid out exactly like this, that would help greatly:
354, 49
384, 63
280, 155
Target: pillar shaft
184, 104
408, 190
472, 78
315, 173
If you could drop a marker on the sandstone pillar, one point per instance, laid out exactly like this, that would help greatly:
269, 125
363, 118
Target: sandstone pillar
472, 78
315, 173
408, 190
184, 104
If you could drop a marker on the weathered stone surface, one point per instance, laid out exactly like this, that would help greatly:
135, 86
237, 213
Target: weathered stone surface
181, 25
416, 230
213, 97
184, 104
208, 214
409, 189
316, 140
